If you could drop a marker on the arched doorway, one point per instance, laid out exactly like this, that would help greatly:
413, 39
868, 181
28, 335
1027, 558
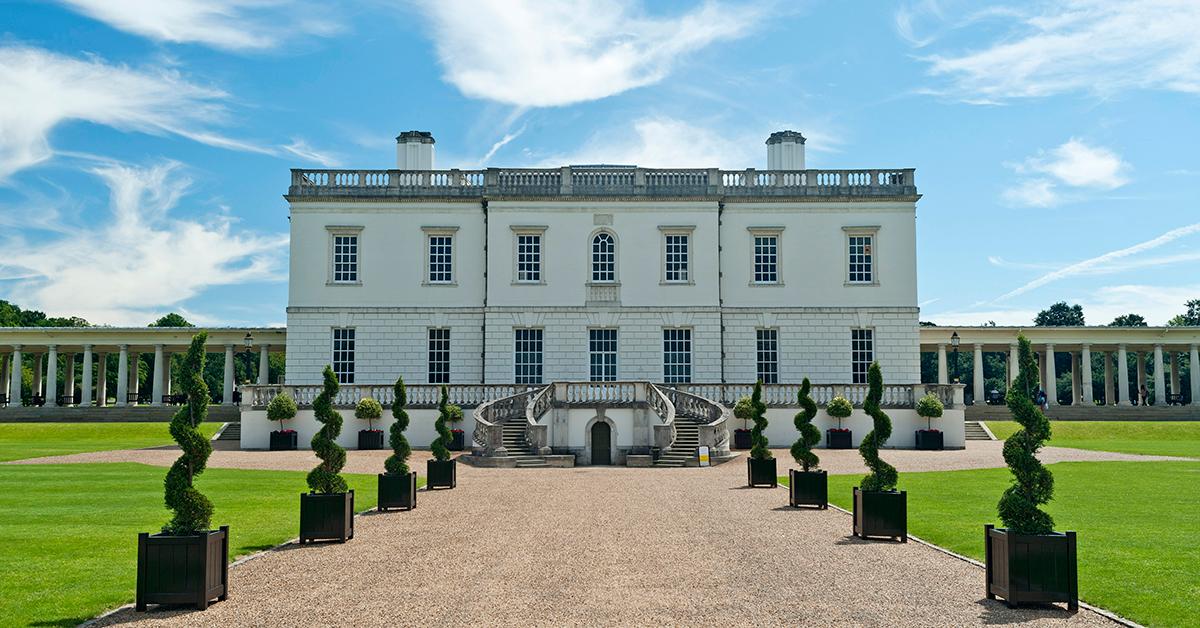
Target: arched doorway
601, 443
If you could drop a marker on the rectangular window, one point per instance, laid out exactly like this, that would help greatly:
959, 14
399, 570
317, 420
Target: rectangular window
439, 356
862, 354
766, 259
676, 257
768, 356
529, 257
527, 356
677, 356
602, 349
862, 267
345, 258
343, 355
441, 266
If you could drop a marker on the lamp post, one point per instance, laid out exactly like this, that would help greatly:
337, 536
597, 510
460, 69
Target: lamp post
954, 340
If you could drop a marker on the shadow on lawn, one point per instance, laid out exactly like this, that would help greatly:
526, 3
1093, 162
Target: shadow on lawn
66, 621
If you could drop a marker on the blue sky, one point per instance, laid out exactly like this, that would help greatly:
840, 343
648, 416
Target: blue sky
145, 144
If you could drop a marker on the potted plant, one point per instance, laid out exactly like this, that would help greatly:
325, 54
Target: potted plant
457, 436
879, 509
837, 437
327, 510
742, 410
397, 484
186, 563
760, 466
442, 471
1027, 561
809, 486
369, 410
930, 407
281, 408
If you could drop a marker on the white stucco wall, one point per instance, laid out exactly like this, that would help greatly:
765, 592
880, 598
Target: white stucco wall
256, 429
781, 431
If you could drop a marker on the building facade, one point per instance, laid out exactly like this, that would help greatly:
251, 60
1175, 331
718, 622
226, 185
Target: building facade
602, 273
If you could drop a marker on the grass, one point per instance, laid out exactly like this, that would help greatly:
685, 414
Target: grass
1162, 438
69, 532
1136, 523
33, 440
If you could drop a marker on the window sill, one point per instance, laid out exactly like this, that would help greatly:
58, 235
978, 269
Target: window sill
850, 284
676, 283
528, 283
343, 283
440, 284
766, 284
615, 284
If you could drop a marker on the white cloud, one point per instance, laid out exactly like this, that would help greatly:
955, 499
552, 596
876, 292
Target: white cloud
543, 54
658, 142
1032, 193
303, 150
226, 24
1073, 163
1158, 304
140, 262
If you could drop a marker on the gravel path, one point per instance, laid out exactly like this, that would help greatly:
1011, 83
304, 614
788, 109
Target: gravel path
606, 546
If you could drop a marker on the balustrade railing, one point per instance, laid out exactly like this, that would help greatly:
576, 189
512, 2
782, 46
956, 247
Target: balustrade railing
664, 432
785, 395
419, 395
489, 417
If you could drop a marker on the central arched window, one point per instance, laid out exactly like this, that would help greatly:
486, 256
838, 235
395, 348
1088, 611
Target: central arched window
604, 258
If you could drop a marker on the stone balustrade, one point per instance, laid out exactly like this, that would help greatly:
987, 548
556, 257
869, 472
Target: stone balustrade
785, 395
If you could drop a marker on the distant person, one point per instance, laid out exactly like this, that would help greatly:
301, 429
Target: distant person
1144, 396
1041, 399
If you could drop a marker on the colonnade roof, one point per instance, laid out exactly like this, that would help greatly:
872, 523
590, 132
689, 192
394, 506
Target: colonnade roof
139, 339
1063, 338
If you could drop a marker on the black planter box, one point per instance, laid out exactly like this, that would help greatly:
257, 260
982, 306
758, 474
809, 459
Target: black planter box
838, 440
741, 439
284, 441
182, 569
881, 514
1031, 568
397, 492
441, 474
457, 440
370, 439
808, 488
761, 472
326, 517
929, 440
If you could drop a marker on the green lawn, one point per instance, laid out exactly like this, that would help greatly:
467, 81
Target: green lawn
69, 532
32, 440
1163, 438
1136, 522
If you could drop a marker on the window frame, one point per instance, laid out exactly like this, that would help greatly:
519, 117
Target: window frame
871, 232
684, 378
766, 232
855, 375
428, 233
430, 352
760, 374
343, 377
666, 232
334, 232
615, 352
591, 259
518, 378
518, 233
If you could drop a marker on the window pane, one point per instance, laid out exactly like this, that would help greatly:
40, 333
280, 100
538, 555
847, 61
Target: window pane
604, 258
345, 258
529, 257
766, 259
861, 266
677, 257
439, 356
768, 356
677, 356
440, 264
862, 353
602, 352
527, 356
343, 355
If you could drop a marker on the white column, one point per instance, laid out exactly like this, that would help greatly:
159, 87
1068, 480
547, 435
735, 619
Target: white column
38, 364
1051, 377
69, 385
1141, 374
167, 372
1123, 376
1014, 361
157, 386
1176, 366
227, 389
1074, 377
1085, 362
123, 376
85, 393
1194, 364
1160, 378
1109, 389
135, 367
943, 376
264, 365
6, 387
102, 381
15, 372
977, 379
52, 377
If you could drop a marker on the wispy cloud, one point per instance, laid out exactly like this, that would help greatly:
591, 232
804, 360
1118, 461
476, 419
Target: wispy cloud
1075, 164
508, 137
300, 148
542, 54
1101, 305
658, 142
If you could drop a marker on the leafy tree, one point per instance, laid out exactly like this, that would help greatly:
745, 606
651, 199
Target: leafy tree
1033, 484
171, 320
883, 476
927, 324
1128, 320
758, 440
193, 511
440, 445
397, 463
930, 407
1191, 318
324, 477
809, 434
369, 410
1060, 315
839, 408
281, 408
743, 410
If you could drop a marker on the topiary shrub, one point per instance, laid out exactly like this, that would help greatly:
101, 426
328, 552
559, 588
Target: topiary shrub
324, 477
883, 476
397, 463
930, 407
369, 410
744, 410
192, 510
281, 408
758, 410
839, 408
809, 434
1033, 484
441, 444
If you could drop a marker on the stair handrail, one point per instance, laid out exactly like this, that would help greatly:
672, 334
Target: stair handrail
536, 432
489, 433
713, 418
661, 404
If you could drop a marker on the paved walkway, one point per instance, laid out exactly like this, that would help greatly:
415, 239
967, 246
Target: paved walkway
606, 546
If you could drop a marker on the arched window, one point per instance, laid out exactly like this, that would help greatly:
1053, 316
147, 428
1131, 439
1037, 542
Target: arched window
604, 258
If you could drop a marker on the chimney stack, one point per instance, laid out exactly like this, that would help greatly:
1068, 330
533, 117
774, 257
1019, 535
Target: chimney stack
414, 150
785, 151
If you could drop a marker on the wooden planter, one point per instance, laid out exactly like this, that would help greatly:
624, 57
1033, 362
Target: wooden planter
835, 439
441, 474
741, 439
190, 569
326, 517
284, 441
808, 488
1031, 568
457, 440
881, 514
761, 473
370, 439
397, 492
929, 440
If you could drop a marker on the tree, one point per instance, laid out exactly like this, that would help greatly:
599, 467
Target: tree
883, 476
1191, 318
440, 445
758, 440
192, 510
1060, 315
930, 407
809, 434
397, 463
369, 410
1128, 320
1033, 484
281, 408
171, 320
324, 477
839, 408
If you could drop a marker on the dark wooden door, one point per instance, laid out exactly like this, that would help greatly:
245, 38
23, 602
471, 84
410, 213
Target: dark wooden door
601, 443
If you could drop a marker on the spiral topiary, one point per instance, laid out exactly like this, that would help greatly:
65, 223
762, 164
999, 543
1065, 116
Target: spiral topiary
324, 477
192, 510
930, 407
440, 445
369, 410
758, 409
883, 476
1033, 484
809, 434
281, 408
397, 463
